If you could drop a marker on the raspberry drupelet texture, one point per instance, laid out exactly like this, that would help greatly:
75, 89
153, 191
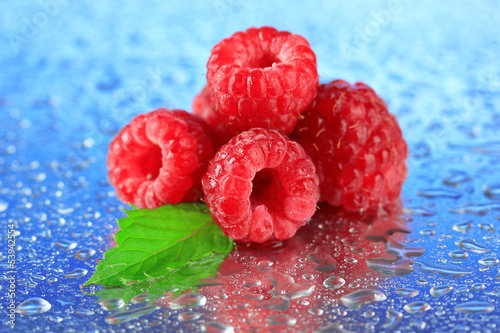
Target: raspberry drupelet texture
356, 145
159, 158
261, 186
262, 77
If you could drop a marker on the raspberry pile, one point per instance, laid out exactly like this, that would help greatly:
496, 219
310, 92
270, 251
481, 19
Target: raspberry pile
344, 147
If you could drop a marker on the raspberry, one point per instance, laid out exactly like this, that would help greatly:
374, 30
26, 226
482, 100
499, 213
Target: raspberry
261, 186
356, 145
202, 108
159, 158
262, 77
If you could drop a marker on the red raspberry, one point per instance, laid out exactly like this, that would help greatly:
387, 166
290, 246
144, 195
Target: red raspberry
203, 108
356, 145
262, 77
261, 186
159, 158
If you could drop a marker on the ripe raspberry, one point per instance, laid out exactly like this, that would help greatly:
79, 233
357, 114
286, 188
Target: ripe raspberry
203, 108
356, 145
159, 158
262, 77
261, 186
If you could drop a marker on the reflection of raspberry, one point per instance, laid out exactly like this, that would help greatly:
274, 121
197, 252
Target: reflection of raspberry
356, 145
203, 108
261, 186
159, 158
262, 77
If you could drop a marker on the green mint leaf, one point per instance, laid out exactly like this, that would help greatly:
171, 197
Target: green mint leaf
154, 242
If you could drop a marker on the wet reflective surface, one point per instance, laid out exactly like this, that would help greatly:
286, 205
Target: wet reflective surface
71, 78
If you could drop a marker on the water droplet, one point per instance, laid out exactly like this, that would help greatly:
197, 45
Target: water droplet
3, 206
76, 273
253, 296
368, 314
475, 307
487, 227
471, 245
417, 307
478, 286
33, 306
492, 191
241, 305
308, 276
66, 245
439, 193
125, 316
418, 211
350, 260
489, 261
247, 283
456, 178
428, 232
111, 304
264, 265
84, 254
281, 320
85, 312
450, 272
278, 303
188, 300
459, 254
316, 311
189, 315
462, 227
407, 292
359, 298
334, 282
439, 291
475, 209
393, 318
216, 327
55, 319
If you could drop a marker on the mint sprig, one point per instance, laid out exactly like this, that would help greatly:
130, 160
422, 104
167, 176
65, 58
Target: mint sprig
154, 242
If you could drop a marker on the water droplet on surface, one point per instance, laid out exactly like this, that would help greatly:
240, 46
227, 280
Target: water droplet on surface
216, 327
407, 292
350, 260
417, 307
418, 211
450, 272
253, 296
428, 232
393, 318
439, 291
111, 304
247, 283
492, 191
281, 320
456, 178
76, 273
475, 209
439, 193
462, 227
471, 245
359, 298
66, 245
188, 300
459, 254
334, 282
278, 303
308, 276
189, 315
125, 316
487, 227
84, 254
264, 265
33, 306
85, 312
316, 311
3, 206
489, 261
478, 286
475, 307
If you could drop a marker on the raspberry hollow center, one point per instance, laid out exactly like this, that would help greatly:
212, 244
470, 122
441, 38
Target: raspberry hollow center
267, 60
150, 163
267, 189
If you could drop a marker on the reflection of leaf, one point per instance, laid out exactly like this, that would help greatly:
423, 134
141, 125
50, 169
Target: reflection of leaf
175, 281
153, 242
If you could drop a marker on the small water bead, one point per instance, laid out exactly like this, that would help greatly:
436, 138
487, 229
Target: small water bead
357, 249
125, 316
354, 285
350, 260
216, 327
84, 254
471, 245
461, 289
252, 296
462, 227
439, 291
55, 319
487, 227
66, 245
456, 178
475, 209
422, 282
428, 232
492, 191
417, 307
111, 304
85, 312
3, 206
334, 282
190, 315
188, 300
478, 286
359, 298
247, 283
33, 306
316, 312
392, 318
241, 305
489, 261
76, 273
407, 292
459, 254
368, 314
475, 307
439, 193
281, 320
308, 276
264, 265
